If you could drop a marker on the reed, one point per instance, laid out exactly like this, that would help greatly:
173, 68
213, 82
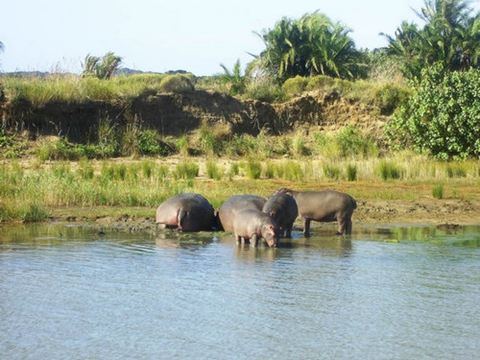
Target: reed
254, 169
186, 170
213, 170
437, 191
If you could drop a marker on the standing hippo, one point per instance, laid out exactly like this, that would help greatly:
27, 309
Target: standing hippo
253, 224
324, 206
283, 209
186, 212
236, 203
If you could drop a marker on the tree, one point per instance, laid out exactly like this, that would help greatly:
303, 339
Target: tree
101, 68
235, 78
450, 36
442, 116
309, 46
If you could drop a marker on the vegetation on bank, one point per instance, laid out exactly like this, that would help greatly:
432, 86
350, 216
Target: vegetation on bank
427, 81
30, 191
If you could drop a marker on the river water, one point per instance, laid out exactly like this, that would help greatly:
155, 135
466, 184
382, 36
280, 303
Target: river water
68, 292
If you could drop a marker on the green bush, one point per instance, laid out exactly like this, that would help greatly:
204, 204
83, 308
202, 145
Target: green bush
295, 85
351, 143
389, 97
442, 117
176, 83
213, 170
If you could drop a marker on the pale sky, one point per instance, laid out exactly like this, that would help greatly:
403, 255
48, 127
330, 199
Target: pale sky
191, 35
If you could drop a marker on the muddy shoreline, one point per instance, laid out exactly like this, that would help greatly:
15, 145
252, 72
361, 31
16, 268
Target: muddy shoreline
447, 213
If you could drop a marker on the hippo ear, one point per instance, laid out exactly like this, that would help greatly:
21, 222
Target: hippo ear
272, 213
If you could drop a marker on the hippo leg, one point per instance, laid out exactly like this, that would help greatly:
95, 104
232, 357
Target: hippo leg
238, 239
254, 240
342, 225
348, 227
288, 230
306, 227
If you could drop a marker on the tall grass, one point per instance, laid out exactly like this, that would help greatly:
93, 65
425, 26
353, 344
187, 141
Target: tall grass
28, 192
71, 88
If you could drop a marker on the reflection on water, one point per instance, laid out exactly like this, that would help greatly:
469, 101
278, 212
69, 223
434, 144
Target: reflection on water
381, 293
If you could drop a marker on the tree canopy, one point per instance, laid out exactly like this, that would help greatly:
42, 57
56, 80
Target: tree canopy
450, 36
309, 46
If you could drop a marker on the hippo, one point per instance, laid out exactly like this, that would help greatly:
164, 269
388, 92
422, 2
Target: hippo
186, 212
226, 212
253, 224
283, 209
324, 206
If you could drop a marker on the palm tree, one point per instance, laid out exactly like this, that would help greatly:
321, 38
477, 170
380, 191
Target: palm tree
309, 46
235, 78
101, 68
450, 36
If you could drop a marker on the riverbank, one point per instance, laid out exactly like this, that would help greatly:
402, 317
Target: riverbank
446, 213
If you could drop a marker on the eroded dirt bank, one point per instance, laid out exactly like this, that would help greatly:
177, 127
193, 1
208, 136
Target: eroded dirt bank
175, 114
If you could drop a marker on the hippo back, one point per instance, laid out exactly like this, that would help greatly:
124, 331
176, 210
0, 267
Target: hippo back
236, 203
186, 212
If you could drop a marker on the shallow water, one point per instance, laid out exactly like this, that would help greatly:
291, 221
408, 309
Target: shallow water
67, 292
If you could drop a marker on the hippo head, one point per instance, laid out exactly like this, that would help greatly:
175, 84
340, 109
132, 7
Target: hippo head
270, 235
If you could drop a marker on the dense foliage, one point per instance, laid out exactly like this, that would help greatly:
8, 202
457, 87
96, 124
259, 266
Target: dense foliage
442, 117
450, 36
309, 46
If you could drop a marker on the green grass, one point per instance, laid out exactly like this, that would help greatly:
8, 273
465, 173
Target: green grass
30, 191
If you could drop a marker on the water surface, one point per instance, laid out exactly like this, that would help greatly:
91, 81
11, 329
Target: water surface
383, 293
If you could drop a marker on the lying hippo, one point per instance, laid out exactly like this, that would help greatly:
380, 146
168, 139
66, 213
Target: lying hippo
253, 224
324, 206
283, 209
236, 203
186, 212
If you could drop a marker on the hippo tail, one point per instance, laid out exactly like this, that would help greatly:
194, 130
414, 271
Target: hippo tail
181, 215
354, 203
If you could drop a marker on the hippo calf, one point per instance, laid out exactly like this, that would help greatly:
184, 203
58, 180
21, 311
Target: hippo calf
236, 203
186, 212
253, 224
282, 207
324, 206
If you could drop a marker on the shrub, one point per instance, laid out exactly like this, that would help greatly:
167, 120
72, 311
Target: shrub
295, 85
176, 83
351, 143
213, 170
389, 97
442, 117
